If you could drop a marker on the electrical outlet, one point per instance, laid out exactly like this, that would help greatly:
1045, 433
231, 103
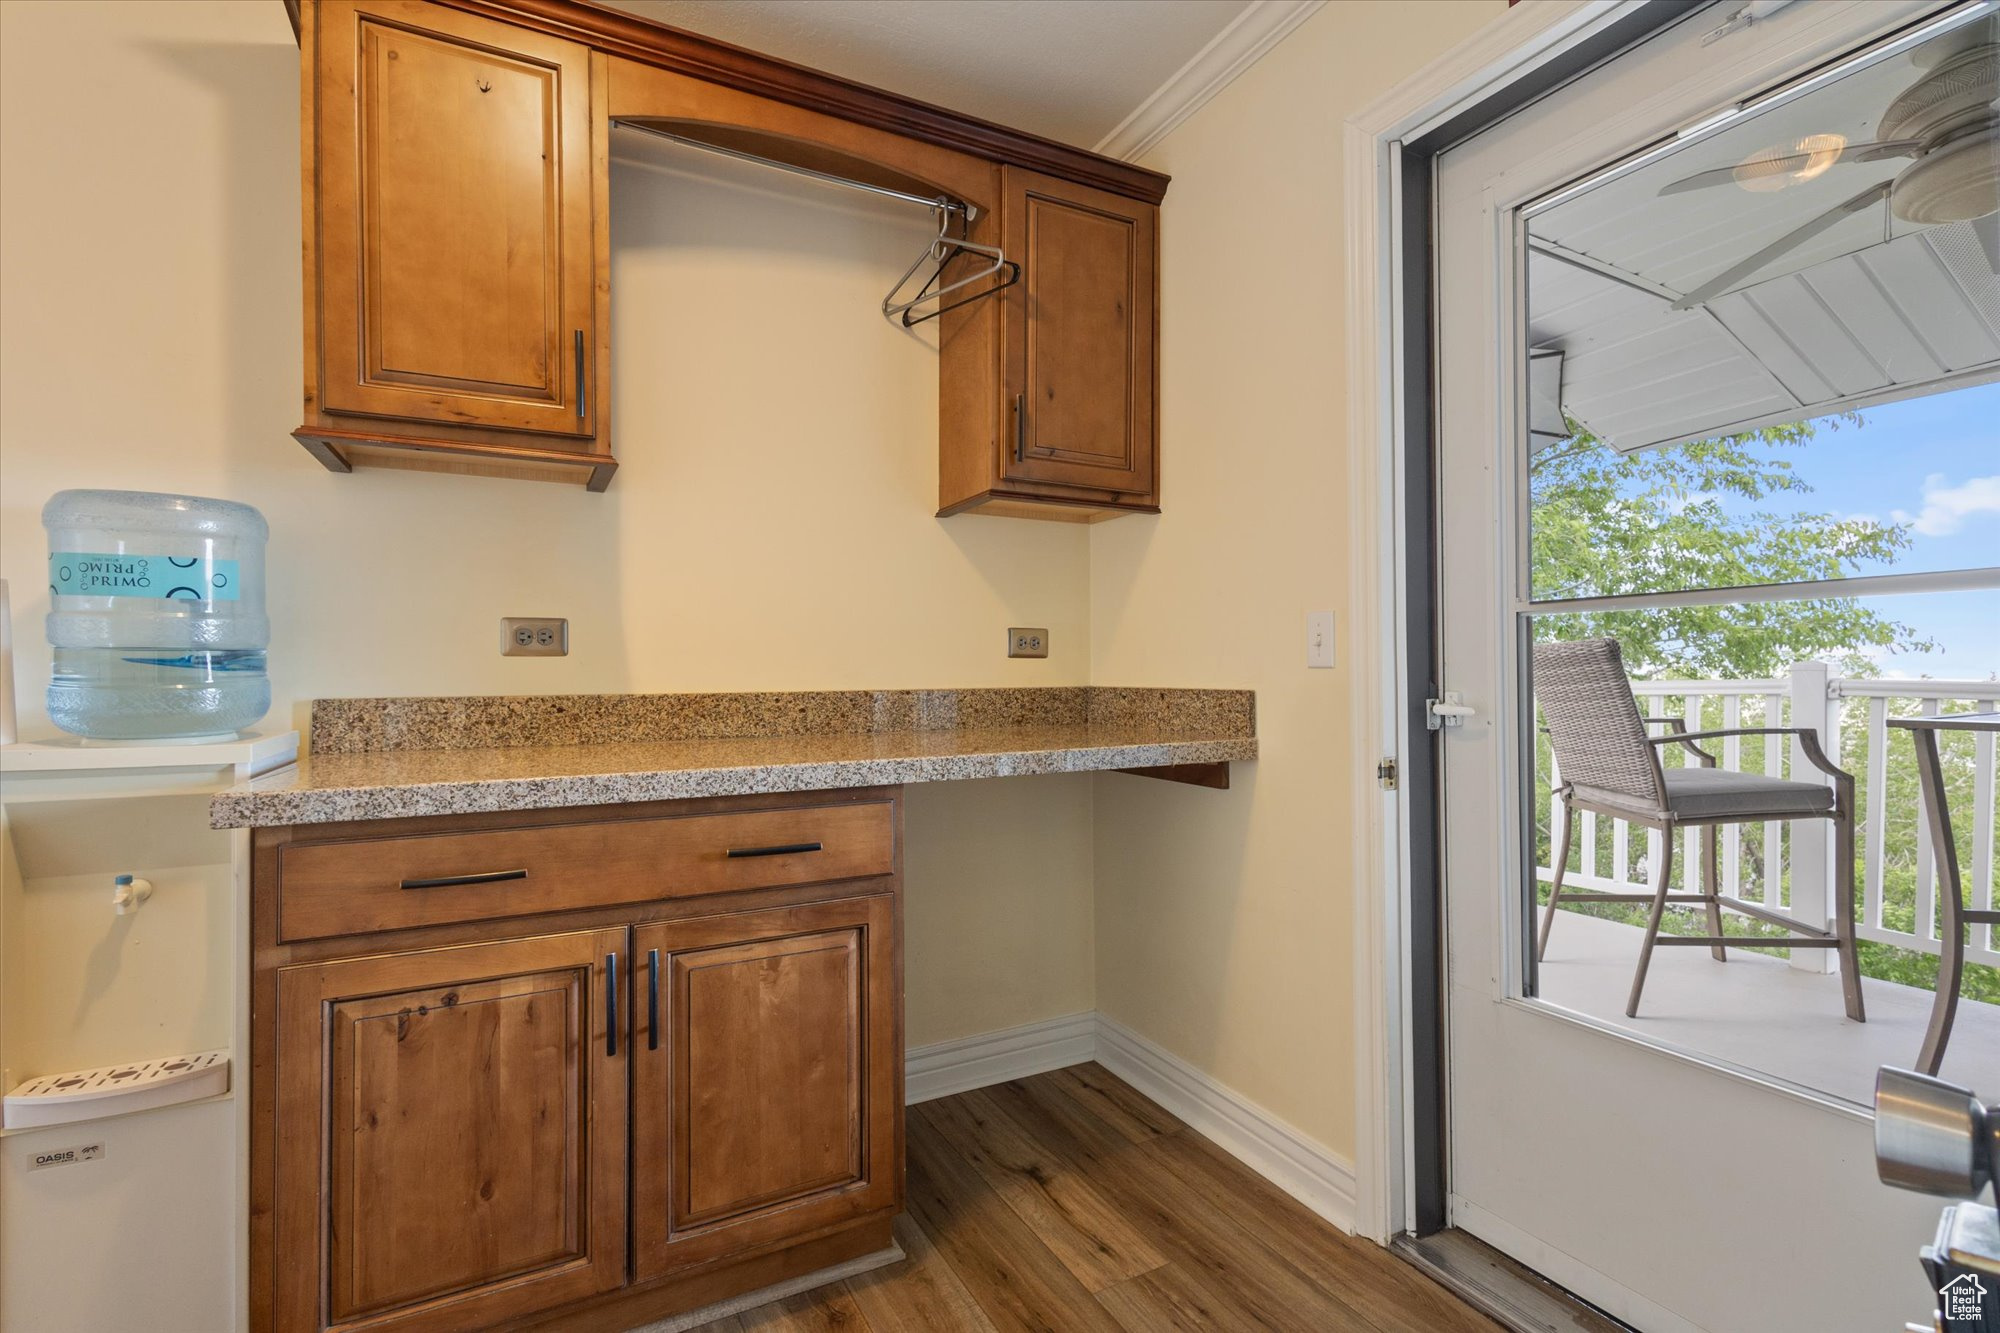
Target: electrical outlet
1027, 643
534, 636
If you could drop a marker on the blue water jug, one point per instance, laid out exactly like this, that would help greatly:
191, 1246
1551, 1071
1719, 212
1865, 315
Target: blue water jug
156, 615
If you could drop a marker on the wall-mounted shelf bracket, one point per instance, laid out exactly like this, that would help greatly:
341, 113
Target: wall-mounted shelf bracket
1200, 775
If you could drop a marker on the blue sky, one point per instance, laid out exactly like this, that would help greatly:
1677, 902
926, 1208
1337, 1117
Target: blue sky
1933, 463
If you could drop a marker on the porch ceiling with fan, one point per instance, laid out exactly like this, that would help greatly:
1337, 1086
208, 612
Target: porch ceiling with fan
1835, 250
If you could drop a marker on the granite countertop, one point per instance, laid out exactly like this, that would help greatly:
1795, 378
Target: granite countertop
377, 759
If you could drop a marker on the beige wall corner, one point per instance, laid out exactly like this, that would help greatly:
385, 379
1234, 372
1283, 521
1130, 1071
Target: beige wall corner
1224, 920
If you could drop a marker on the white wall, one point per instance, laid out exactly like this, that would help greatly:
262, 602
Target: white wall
1223, 920
770, 526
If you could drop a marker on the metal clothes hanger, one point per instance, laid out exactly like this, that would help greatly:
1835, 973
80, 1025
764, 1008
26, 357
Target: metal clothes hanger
941, 252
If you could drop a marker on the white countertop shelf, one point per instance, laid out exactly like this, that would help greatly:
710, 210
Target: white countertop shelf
259, 752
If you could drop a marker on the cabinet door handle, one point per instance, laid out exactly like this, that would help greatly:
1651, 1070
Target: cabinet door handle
611, 1004
582, 389
776, 849
458, 881
652, 999
1020, 427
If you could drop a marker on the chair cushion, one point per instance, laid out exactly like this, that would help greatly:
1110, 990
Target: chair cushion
1702, 793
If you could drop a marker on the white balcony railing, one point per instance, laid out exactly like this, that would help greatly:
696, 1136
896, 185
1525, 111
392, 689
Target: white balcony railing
1791, 866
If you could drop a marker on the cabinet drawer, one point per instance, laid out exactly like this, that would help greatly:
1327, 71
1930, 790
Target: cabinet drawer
346, 888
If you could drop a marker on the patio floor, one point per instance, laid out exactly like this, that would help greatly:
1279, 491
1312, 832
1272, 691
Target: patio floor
1757, 1012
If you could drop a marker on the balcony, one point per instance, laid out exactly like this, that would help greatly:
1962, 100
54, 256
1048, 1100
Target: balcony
1756, 1012
1782, 1016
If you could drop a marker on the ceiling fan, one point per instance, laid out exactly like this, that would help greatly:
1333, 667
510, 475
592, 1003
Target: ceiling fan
1948, 121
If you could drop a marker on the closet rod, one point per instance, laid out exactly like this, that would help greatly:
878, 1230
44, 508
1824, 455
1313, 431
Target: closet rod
970, 211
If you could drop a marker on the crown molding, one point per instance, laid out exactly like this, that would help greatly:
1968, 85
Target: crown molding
1261, 26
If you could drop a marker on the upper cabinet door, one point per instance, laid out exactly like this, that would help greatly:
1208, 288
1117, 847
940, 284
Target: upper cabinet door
454, 227
766, 1078
453, 1153
1080, 338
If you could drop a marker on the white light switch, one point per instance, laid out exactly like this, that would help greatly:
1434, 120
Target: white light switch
1319, 638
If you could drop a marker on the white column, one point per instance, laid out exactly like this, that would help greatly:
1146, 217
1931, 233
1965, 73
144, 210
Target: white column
1812, 840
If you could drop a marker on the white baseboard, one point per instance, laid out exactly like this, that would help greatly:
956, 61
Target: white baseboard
996, 1057
1317, 1178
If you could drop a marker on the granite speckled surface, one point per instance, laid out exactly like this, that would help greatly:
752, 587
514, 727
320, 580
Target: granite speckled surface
481, 722
394, 758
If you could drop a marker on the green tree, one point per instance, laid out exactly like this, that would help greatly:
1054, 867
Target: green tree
1658, 520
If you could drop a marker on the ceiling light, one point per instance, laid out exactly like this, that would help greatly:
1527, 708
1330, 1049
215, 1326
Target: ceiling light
1780, 166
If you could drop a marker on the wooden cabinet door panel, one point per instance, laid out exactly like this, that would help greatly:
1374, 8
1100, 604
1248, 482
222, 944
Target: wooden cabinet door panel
453, 1143
1081, 336
767, 1095
770, 1014
455, 219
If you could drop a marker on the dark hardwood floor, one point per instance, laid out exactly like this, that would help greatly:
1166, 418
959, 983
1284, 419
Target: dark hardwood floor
1068, 1201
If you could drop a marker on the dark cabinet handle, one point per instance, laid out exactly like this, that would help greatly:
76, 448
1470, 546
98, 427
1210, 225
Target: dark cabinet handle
652, 999
582, 391
1020, 427
611, 1004
778, 849
458, 881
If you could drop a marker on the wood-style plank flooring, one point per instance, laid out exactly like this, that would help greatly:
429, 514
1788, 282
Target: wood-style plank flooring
1068, 1202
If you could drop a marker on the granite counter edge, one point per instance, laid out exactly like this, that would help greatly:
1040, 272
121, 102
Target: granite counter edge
247, 807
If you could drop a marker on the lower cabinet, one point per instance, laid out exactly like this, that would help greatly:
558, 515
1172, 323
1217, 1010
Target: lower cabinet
766, 1091
594, 1112
451, 1135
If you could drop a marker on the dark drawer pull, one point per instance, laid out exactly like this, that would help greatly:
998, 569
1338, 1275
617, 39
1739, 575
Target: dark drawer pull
780, 849
455, 881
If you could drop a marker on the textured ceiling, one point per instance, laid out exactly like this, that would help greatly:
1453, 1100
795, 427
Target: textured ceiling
1068, 69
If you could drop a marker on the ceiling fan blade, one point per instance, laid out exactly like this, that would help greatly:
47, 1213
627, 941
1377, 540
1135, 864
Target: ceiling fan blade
1873, 152
1729, 277
1855, 152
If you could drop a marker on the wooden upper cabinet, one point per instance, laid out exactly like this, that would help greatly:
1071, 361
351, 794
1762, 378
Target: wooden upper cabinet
767, 1078
454, 1145
455, 254
1080, 336
457, 248
1073, 432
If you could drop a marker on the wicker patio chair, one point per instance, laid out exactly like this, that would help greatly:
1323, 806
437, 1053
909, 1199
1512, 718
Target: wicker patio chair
1609, 765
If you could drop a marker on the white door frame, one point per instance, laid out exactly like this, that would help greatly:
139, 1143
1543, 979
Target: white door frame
1511, 48
1515, 47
